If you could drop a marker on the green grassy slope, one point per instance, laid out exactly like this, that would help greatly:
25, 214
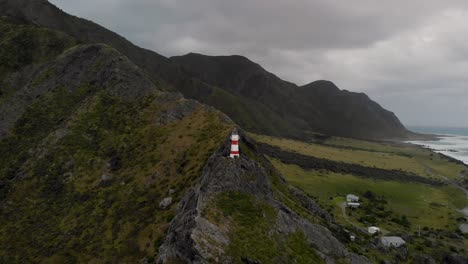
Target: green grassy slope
22, 45
250, 222
93, 194
83, 169
397, 207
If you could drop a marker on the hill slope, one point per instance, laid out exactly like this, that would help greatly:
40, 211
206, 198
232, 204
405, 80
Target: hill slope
95, 156
244, 212
253, 97
89, 147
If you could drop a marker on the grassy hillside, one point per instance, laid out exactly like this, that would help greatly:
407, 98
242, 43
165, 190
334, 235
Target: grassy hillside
401, 208
91, 188
91, 149
22, 45
251, 223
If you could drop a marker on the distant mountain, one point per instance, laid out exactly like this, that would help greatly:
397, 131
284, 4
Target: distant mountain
318, 106
254, 98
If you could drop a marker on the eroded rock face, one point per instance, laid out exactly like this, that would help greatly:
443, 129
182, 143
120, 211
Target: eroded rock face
192, 238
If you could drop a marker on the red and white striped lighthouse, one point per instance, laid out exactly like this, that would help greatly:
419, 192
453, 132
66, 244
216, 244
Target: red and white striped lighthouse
234, 144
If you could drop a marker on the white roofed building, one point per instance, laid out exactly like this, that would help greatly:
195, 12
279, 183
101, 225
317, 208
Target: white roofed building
392, 241
351, 198
353, 205
373, 229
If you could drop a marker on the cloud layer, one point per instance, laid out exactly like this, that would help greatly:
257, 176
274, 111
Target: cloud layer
410, 56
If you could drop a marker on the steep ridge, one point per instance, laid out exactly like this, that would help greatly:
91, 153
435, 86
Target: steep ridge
256, 99
41, 12
237, 214
90, 146
81, 69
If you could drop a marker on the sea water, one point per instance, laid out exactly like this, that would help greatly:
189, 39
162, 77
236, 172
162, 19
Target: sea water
452, 142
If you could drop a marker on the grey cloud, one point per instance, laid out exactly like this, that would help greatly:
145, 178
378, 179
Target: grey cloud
411, 56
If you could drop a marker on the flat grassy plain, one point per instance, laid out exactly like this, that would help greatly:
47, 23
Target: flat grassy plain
389, 156
422, 204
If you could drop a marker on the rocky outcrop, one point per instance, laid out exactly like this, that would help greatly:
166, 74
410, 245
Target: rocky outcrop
192, 238
165, 203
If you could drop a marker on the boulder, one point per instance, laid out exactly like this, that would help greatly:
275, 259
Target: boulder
165, 203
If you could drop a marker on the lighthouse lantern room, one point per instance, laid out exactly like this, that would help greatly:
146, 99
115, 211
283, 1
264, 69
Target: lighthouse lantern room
234, 144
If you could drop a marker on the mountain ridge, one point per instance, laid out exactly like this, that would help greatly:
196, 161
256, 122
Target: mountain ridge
265, 112
319, 106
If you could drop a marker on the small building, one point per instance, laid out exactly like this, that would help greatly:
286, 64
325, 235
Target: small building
373, 229
392, 241
352, 237
353, 205
351, 198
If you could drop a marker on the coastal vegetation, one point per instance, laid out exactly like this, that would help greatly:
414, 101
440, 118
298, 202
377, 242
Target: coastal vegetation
426, 214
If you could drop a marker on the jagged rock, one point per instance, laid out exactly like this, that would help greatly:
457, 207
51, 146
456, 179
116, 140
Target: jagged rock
165, 203
310, 205
192, 238
454, 259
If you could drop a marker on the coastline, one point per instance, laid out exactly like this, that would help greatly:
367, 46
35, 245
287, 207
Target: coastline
450, 146
451, 142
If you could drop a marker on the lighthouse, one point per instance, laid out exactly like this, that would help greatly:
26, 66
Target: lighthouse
234, 144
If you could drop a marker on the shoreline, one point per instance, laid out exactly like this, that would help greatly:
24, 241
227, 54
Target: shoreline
455, 160
448, 150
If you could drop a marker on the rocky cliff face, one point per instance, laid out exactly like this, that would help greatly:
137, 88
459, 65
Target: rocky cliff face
236, 205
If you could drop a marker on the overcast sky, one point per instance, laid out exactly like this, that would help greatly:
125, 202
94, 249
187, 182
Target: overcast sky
409, 56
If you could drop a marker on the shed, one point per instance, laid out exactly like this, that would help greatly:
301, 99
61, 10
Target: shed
392, 241
373, 229
350, 198
353, 205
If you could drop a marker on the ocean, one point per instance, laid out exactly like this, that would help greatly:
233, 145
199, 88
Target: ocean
453, 141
